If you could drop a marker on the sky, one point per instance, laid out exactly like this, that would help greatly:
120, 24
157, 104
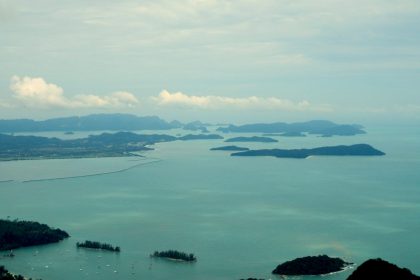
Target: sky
212, 60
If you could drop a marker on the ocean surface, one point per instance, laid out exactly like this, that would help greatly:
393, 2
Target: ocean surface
241, 216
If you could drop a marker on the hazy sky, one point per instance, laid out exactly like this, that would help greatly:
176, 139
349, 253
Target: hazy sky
239, 61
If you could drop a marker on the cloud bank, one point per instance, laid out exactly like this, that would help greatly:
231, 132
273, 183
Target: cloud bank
36, 92
179, 99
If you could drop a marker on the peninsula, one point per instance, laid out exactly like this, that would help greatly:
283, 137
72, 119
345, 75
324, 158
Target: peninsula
252, 139
312, 265
15, 234
6, 275
353, 150
104, 145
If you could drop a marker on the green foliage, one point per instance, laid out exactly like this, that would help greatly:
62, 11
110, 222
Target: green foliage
97, 245
15, 234
5, 275
176, 255
314, 265
380, 269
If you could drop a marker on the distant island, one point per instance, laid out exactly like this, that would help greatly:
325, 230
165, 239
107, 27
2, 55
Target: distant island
118, 144
200, 137
312, 265
15, 234
196, 125
252, 139
286, 134
98, 245
380, 269
89, 123
68, 133
174, 255
229, 148
128, 122
353, 150
320, 127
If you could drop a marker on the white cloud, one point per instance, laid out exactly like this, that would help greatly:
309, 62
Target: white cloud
5, 105
166, 98
36, 92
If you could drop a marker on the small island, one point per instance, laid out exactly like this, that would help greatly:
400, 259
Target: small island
380, 269
312, 265
252, 139
353, 150
286, 134
15, 234
98, 246
200, 137
196, 125
174, 255
229, 148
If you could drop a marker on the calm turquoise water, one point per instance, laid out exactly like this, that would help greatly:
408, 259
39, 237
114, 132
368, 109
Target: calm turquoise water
240, 216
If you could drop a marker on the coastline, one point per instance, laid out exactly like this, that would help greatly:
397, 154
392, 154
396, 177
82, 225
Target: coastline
91, 175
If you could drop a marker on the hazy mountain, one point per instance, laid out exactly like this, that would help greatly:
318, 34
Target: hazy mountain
321, 127
89, 123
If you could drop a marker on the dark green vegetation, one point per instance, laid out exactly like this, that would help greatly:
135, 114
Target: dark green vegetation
229, 148
313, 265
380, 269
252, 279
103, 145
15, 234
353, 150
324, 128
252, 139
97, 245
174, 255
5, 275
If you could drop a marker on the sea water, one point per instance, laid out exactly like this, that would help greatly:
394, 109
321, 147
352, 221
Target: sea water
241, 216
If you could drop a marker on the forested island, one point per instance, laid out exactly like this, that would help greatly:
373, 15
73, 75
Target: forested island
98, 245
318, 127
174, 255
320, 265
311, 265
352, 150
104, 145
380, 269
252, 139
15, 234
229, 148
